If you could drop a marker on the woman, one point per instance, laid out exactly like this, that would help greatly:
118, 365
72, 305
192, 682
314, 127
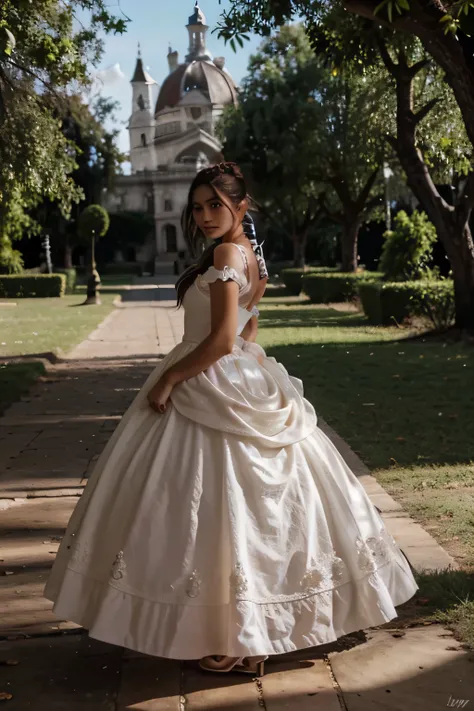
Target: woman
219, 519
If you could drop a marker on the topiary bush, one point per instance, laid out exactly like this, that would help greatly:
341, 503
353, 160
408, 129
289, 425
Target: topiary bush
408, 249
71, 278
334, 287
17, 286
387, 303
93, 220
293, 277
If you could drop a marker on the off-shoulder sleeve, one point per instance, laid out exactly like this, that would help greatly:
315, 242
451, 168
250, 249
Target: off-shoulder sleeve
212, 274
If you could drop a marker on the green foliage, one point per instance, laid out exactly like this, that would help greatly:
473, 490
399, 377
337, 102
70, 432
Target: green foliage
129, 227
11, 261
71, 278
44, 51
407, 250
335, 287
93, 220
293, 277
306, 137
435, 301
43, 285
393, 302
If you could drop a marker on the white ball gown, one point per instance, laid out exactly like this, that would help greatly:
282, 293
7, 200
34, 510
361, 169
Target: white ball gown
228, 525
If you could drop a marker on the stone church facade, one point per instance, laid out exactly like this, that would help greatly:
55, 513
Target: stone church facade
171, 140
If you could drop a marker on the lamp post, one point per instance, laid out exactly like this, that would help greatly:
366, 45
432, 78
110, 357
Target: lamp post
387, 174
93, 282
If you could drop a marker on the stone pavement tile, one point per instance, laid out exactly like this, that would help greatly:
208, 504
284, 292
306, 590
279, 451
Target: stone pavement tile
417, 672
64, 673
149, 684
31, 531
204, 691
302, 685
421, 549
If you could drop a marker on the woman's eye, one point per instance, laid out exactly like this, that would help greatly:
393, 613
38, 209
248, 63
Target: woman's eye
196, 208
216, 204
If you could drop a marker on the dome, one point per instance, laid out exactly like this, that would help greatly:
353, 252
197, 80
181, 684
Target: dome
203, 75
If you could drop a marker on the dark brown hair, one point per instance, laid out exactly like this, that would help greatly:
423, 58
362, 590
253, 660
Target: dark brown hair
229, 184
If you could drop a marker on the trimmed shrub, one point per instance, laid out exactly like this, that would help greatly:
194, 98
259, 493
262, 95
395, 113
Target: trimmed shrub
277, 267
71, 278
408, 249
293, 277
392, 302
333, 287
14, 286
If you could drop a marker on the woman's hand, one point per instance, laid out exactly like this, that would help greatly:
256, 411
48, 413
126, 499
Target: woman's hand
160, 393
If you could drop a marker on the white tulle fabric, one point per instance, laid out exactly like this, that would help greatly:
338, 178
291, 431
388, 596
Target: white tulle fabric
230, 524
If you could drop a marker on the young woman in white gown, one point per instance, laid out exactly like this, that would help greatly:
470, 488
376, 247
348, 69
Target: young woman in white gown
219, 519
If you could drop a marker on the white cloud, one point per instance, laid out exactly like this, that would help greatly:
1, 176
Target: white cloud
110, 75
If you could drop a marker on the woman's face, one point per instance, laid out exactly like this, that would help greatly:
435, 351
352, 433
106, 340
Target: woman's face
211, 215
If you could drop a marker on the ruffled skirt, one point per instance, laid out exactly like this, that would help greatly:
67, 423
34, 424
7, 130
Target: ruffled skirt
228, 525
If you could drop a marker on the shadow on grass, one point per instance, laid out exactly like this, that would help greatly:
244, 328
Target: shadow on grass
310, 318
401, 404
445, 596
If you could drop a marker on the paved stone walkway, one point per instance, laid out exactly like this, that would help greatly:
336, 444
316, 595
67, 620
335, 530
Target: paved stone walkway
49, 442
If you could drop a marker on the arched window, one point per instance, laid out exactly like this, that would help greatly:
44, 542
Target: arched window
171, 238
143, 139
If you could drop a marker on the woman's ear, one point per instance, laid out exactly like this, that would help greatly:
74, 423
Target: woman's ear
243, 207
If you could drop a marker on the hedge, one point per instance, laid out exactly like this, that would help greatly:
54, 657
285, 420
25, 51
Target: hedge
293, 277
334, 287
42, 285
392, 302
71, 278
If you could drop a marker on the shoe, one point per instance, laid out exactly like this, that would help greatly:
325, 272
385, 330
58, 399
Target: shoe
246, 665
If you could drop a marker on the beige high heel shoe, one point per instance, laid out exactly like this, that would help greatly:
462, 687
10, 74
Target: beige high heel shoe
246, 665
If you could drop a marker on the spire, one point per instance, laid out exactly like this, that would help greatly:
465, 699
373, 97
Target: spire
197, 30
140, 75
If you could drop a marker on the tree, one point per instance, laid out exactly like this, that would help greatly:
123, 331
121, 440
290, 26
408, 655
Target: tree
93, 223
44, 49
309, 139
446, 32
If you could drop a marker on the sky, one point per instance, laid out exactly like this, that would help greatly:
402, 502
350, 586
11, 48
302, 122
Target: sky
156, 24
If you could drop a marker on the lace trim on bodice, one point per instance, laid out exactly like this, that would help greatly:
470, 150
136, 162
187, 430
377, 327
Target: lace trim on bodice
227, 273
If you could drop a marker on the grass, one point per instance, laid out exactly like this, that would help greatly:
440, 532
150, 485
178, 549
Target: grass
55, 325
407, 408
40, 326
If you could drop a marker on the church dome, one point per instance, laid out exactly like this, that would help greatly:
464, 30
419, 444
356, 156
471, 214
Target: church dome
202, 74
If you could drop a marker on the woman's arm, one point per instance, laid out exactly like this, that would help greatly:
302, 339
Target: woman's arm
224, 303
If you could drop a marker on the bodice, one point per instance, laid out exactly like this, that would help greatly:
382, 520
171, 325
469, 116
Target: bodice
197, 300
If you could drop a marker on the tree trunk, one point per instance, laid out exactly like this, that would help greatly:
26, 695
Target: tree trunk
454, 53
451, 223
68, 255
299, 240
463, 274
349, 239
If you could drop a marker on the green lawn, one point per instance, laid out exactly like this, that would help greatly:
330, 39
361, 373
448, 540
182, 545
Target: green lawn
37, 326
407, 408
